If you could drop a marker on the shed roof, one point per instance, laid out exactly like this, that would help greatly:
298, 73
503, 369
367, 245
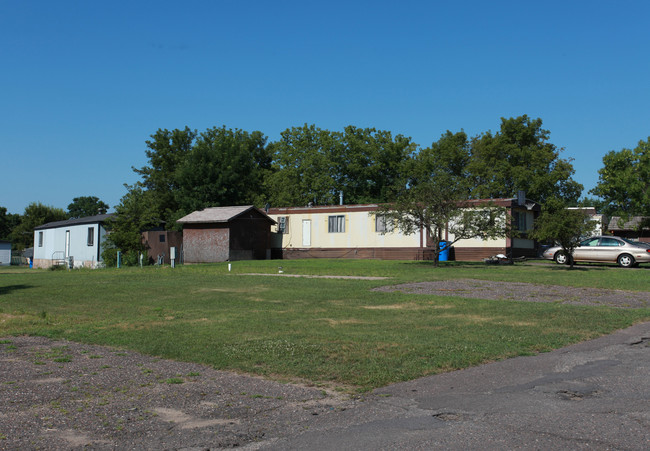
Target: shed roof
220, 214
76, 221
633, 223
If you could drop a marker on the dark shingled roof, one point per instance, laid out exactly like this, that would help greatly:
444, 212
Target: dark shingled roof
78, 221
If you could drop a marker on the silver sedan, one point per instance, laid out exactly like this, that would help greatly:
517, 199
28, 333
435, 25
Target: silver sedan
612, 249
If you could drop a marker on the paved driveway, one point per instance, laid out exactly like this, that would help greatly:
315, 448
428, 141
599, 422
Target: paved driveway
593, 395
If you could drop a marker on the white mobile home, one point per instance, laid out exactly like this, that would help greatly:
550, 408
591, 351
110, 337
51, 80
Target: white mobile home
5, 253
75, 242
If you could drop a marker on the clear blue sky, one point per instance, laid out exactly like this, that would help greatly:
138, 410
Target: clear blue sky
85, 83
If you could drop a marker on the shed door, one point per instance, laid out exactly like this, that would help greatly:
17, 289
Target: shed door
306, 232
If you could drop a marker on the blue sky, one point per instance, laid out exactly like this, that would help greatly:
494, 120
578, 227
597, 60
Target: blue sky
84, 83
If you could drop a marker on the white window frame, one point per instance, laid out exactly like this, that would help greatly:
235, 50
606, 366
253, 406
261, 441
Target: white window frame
90, 240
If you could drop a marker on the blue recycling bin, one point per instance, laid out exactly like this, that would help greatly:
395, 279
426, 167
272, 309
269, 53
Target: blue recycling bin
443, 254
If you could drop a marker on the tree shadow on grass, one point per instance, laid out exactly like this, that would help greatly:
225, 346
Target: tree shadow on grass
9, 288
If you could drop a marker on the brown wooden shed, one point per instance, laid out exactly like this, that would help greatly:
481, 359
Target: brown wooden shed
220, 234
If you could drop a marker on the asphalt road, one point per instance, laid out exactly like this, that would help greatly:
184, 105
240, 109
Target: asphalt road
593, 395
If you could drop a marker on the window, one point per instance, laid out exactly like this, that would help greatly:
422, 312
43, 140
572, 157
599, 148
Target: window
91, 236
336, 224
161, 238
383, 225
590, 242
283, 224
609, 242
520, 220
40, 239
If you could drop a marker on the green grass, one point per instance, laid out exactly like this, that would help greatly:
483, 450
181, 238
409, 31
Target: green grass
327, 331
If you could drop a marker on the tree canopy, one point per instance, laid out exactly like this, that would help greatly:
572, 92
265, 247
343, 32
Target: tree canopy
624, 181
520, 157
565, 227
312, 165
86, 206
35, 214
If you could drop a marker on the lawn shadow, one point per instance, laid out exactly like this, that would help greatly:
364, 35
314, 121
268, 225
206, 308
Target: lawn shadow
9, 288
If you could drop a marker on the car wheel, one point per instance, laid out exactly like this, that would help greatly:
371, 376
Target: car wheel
625, 261
561, 258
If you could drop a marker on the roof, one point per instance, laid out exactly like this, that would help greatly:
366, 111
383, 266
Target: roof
97, 219
633, 223
501, 202
220, 214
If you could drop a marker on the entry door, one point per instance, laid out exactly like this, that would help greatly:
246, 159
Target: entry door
306, 232
67, 243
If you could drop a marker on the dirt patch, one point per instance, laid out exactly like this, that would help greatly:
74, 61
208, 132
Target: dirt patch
529, 292
64, 395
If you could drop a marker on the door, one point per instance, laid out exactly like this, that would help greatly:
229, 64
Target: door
306, 232
67, 243
608, 249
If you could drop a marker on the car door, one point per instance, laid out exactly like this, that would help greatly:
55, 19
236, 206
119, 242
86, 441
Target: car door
609, 249
587, 250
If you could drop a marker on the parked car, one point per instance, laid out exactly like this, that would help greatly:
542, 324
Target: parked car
612, 249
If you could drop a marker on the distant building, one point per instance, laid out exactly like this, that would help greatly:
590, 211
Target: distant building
599, 219
630, 228
5, 253
220, 234
75, 242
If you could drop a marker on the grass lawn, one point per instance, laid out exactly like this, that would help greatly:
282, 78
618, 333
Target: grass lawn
326, 331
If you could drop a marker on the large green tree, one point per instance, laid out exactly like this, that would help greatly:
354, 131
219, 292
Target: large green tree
136, 212
520, 157
312, 165
86, 206
8, 221
436, 197
624, 181
224, 167
166, 152
35, 214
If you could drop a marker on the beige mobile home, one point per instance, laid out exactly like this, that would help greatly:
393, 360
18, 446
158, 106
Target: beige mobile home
355, 231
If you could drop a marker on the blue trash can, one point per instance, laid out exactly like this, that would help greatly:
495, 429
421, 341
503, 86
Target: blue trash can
443, 254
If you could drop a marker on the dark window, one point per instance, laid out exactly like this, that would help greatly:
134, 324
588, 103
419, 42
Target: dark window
336, 224
161, 237
40, 239
609, 242
91, 236
283, 224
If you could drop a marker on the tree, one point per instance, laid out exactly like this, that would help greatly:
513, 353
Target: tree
303, 171
86, 206
8, 221
166, 152
565, 227
437, 205
224, 167
436, 197
36, 214
312, 165
136, 212
519, 157
624, 181
370, 164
